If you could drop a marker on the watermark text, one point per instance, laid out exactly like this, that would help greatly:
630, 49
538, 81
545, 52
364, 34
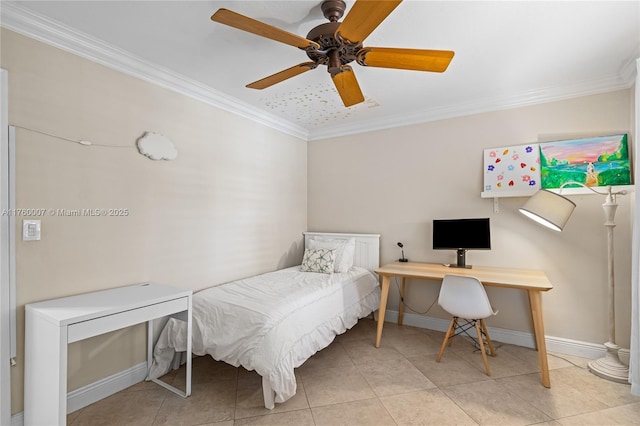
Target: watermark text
57, 212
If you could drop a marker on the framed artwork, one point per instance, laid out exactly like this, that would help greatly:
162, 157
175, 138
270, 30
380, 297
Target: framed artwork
597, 161
511, 170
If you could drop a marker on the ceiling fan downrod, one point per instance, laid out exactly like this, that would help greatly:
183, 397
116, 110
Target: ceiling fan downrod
333, 9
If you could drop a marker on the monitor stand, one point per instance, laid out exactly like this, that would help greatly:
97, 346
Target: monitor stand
461, 258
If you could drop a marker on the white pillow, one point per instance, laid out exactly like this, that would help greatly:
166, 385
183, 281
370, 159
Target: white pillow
345, 250
320, 260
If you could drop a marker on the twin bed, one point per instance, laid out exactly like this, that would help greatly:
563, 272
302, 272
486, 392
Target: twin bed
272, 323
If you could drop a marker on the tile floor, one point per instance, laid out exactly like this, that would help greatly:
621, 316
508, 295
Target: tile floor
353, 383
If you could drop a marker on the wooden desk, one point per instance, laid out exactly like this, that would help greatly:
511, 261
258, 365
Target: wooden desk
534, 282
53, 324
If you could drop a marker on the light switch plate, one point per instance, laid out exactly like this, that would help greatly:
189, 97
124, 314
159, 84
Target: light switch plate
30, 230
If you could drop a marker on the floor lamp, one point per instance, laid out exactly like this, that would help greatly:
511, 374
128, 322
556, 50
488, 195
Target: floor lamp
553, 210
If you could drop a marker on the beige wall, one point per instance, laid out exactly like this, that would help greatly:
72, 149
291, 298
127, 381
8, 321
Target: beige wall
395, 182
233, 204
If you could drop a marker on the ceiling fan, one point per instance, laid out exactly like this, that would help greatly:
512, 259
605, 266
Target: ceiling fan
336, 44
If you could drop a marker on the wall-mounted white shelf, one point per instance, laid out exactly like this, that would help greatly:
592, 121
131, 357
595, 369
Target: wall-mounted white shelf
585, 191
502, 194
565, 191
496, 195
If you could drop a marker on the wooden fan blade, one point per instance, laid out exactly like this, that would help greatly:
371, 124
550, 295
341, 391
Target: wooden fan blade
348, 86
364, 17
241, 22
282, 75
406, 59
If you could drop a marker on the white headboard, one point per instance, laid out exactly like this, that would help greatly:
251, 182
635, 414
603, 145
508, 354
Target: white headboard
367, 254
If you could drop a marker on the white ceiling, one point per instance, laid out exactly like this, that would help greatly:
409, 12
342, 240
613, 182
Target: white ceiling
508, 54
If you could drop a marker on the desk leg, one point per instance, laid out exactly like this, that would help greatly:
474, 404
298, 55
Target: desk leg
401, 307
149, 345
45, 376
384, 295
535, 300
189, 344
182, 316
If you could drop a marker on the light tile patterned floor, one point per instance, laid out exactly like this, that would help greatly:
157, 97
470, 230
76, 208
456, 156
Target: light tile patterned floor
353, 383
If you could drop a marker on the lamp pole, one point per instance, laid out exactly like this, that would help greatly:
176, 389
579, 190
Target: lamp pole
553, 210
610, 367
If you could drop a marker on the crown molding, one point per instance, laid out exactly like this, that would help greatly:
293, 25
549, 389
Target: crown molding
35, 26
552, 94
25, 22
629, 69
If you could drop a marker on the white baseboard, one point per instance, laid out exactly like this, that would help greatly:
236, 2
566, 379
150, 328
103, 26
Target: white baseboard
96, 391
519, 338
624, 355
103, 388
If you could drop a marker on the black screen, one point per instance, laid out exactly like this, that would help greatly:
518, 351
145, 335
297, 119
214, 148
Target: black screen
461, 234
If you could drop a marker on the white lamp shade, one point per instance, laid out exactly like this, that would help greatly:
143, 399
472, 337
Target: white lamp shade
549, 209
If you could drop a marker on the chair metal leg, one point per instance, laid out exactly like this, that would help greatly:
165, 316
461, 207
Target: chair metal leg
481, 343
447, 336
486, 334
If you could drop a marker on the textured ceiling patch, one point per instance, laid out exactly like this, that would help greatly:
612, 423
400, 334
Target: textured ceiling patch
315, 105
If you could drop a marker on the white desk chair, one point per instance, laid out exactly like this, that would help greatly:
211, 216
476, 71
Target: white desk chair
465, 298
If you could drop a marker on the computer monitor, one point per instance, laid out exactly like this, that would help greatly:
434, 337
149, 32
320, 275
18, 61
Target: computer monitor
461, 235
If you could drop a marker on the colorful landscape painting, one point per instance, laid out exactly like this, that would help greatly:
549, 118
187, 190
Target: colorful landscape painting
598, 161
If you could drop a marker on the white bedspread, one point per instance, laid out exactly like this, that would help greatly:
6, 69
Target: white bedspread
271, 323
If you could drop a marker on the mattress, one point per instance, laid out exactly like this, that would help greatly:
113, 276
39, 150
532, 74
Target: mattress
271, 323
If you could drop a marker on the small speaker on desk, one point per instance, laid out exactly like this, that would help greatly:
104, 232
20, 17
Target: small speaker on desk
402, 259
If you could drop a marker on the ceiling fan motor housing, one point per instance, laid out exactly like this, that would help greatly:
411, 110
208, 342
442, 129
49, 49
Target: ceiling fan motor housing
334, 52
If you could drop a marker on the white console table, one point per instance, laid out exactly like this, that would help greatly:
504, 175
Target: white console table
51, 325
